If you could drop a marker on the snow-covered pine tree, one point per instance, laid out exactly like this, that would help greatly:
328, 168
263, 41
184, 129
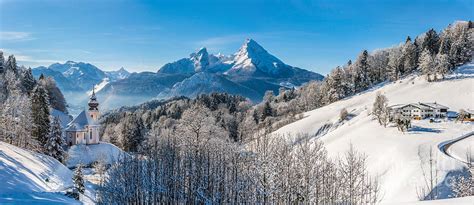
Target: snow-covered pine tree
131, 133
409, 56
54, 144
427, 64
267, 111
15, 114
78, 180
395, 63
445, 41
361, 69
336, 86
431, 42
442, 65
27, 80
461, 50
11, 64
40, 115
379, 62
2, 62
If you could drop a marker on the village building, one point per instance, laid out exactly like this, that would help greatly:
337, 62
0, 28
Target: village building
84, 129
419, 110
469, 115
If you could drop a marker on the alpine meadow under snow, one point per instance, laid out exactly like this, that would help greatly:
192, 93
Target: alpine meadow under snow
393, 126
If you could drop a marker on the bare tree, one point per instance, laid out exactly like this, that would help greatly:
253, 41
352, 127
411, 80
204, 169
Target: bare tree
380, 110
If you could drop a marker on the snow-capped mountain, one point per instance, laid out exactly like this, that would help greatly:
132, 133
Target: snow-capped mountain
78, 76
118, 74
249, 72
251, 60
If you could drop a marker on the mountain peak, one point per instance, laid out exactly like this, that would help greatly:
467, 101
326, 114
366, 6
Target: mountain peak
252, 57
122, 69
200, 59
251, 45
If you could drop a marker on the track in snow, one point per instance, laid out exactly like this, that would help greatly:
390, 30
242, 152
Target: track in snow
444, 146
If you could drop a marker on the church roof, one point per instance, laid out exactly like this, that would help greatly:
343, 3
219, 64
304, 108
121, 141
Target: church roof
79, 123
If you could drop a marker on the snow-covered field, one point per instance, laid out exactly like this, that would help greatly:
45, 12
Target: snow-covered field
392, 154
31, 178
87, 154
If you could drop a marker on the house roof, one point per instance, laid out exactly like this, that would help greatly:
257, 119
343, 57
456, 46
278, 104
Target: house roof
420, 106
435, 105
397, 106
79, 123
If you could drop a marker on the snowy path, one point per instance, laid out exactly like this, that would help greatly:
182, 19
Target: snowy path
444, 146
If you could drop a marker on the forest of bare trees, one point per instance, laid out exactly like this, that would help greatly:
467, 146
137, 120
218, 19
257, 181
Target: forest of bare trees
193, 165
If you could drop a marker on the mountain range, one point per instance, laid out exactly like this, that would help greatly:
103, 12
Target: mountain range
250, 72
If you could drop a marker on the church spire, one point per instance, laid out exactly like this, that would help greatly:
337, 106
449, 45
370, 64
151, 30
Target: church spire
93, 104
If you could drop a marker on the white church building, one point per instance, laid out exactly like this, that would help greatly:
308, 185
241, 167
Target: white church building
84, 129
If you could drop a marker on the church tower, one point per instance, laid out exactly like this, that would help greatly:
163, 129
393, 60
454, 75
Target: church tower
93, 106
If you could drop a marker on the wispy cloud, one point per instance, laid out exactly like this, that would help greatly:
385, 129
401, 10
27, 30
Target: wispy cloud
27, 60
15, 36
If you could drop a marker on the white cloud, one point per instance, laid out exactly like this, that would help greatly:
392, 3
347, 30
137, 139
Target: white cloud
27, 60
15, 36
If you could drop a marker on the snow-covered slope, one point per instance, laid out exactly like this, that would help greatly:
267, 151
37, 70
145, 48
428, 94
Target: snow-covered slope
28, 177
392, 154
105, 152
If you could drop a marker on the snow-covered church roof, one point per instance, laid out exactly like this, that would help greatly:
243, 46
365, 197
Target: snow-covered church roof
79, 123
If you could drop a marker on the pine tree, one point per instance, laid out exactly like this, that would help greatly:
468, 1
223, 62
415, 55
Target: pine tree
40, 115
431, 42
2, 62
131, 133
28, 81
409, 56
361, 69
11, 64
427, 64
337, 87
54, 144
461, 50
395, 64
78, 180
267, 111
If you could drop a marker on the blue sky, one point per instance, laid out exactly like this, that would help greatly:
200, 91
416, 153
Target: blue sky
144, 35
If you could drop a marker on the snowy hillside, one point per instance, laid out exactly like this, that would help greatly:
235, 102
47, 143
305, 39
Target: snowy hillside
29, 177
86, 155
392, 154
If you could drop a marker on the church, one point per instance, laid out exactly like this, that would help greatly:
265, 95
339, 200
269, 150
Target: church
84, 129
